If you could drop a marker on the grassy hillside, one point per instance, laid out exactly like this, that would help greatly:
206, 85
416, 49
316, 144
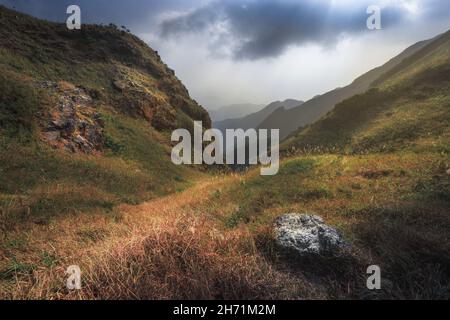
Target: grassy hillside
118, 66
391, 208
407, 109
81, 147
289, 121
85, 118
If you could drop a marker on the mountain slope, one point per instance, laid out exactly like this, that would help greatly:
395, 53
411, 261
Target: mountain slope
254, 119
234, 111
85, 118
290, 120
115, 64
407, 108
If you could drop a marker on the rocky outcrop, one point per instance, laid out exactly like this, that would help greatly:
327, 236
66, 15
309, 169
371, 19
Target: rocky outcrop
73, 124
136, 99
307, 235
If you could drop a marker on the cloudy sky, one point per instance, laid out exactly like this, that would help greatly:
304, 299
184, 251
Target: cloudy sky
237, 51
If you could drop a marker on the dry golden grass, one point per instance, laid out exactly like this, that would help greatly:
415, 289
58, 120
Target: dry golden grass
169, 248
214, 240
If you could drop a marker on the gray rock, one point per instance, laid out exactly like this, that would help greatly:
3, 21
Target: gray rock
119, 85
307, 235
52, 136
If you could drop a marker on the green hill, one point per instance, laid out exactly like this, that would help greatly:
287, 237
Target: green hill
288, 121
407, 108
85, 118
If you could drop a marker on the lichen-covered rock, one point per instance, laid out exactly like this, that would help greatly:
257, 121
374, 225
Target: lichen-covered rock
73, 123
307, 235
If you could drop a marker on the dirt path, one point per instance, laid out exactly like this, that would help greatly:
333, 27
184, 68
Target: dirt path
176, 203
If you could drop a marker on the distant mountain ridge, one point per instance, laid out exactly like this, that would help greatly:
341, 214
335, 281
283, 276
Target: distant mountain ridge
254, 120
289, 121
237, 110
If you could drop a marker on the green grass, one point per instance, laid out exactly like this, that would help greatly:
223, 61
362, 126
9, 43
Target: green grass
16, 268
38, 183
42, 183
19, 103
262, 192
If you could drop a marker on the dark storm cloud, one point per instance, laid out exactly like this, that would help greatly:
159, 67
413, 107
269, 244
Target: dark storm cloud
437, 9
245, 29
266, 28
135, 14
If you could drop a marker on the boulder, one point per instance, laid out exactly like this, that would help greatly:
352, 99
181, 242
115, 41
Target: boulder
307, 235
119, 85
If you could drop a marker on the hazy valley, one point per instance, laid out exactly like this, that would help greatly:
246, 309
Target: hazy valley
86, 177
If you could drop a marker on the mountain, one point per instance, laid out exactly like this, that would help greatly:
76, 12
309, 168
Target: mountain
406, 108
234, 111
85, 118
82, 146
290, 120
254, 119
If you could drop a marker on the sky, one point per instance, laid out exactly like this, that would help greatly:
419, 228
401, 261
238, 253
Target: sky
258, 51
